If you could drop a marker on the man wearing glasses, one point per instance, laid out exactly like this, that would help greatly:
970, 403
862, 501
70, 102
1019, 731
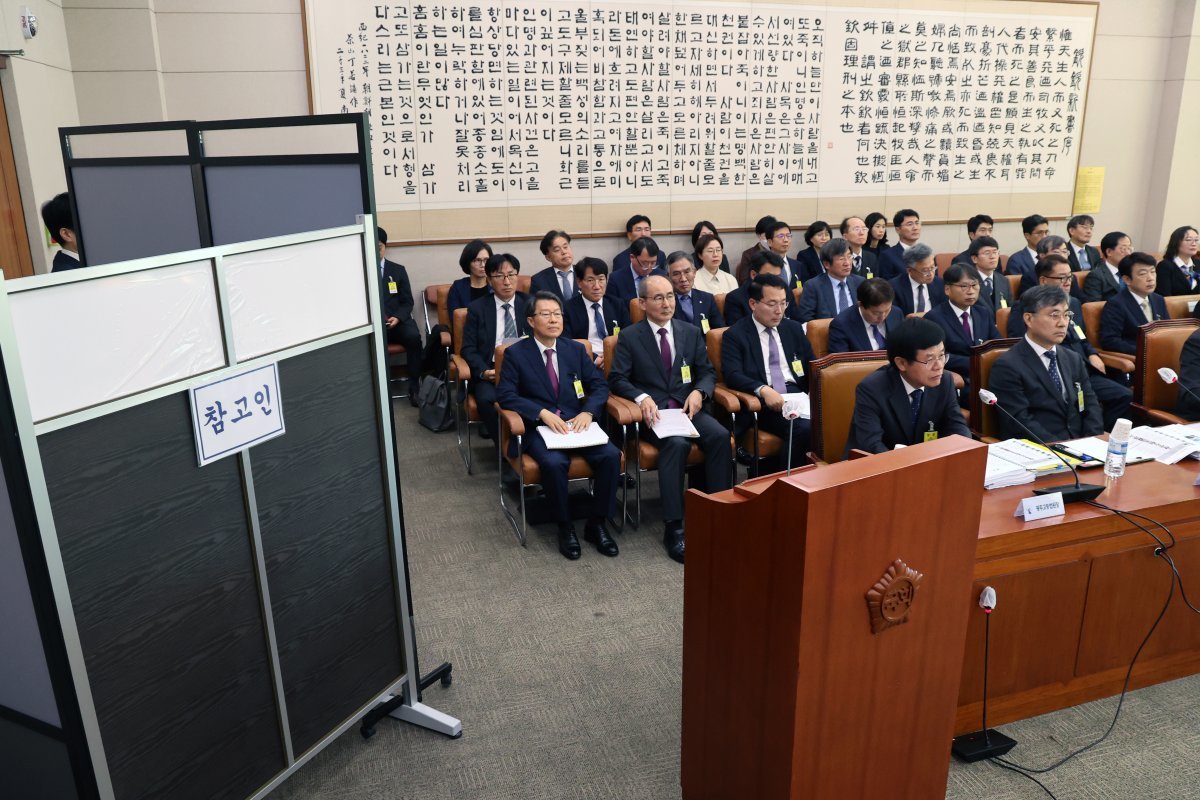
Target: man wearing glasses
1132, 307
779, 241
491, 321
832, 292
662, 364
964, 321
977, 226
644, 261
918, 288
693, 306
1114, 397
862, 260
911, 400
591, 314
1042, 383
994, 289
1082, 255
550, 381
908, 229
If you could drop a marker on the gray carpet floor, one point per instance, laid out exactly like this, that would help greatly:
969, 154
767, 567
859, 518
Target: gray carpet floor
567, 675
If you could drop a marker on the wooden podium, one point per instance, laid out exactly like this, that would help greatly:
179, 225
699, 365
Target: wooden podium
787, 691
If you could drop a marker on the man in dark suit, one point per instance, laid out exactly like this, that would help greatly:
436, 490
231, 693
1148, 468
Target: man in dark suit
1035, 227
768, 355
662, 364
1114, 397
742, 272
868, 324
908, 230
1082, 255
1103, 282
559, 277
591, 314
1133, 307
779, 241
737, 302
864, 263
1041, 383
396, 293
918, 288
643, 261
693, 306
549, 380
978, 225
910, 401
491, 321
963, 321
832, 292
1188, 406
637, 227
994, 289
56, 214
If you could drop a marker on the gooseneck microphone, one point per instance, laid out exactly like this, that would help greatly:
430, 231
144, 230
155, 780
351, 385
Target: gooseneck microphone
1080, 492
985, 742
1168, 375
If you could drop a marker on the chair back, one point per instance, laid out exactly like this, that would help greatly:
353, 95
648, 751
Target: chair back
610, 349
1091, 321
523, 283
1014, 284
1159, 344
636, 313
1002, 319
1003, 262
713, 343
943, 261
832, 382
1180, 306
460, 324
719, 299
441, 301
818, 336
797, 291
983, 418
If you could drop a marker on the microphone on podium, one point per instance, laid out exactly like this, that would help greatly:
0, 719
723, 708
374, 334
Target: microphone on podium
1078, 493
1168, 375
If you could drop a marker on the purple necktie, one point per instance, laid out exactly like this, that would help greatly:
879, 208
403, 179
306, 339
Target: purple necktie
664, 350
776, 365
966, 321
550, 371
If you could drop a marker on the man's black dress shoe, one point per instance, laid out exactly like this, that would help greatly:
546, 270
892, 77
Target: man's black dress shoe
673, 540
568, 544
595, 533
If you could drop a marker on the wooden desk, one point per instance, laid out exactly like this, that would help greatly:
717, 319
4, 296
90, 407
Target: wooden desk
1077, 594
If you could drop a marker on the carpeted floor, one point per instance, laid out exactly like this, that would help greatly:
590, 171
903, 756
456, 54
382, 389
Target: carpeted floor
567, 675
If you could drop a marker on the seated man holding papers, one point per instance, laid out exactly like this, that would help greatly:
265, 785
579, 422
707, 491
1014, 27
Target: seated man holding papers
551, 382
662, 365
911, 400
1042, 383
768, 355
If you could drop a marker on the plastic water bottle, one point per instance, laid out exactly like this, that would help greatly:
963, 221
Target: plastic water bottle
1118, 448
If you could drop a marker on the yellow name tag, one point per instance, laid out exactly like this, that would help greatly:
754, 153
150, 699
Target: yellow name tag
686, 373
869, 274
1003, 301
616, 329
798, 368
704, 324
579, 388
392, 287
799, 285
1079, 397
1079, 332
930, 436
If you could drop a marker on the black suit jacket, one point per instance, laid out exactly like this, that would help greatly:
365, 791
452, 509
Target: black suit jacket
957, 343
547, 281
1093, 258
891, 262
818, 300
579, 313
847, 334
623, 286
965, 258
479, 333
398, 304
64, 262
868, 266
1121, 318
904, 293
703, 305
621, 261
1021, 382
524, 385
637, 364
1189, 375
1173, 281
742, 360
1001, 294
883, 413
737, 306
1076, 332
809, 261
1100, 284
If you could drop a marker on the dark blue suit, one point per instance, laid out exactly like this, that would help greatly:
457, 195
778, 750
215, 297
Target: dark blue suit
1020, 263
479, 351
743, 369
1121, 318
579, 314
905, 300
883, 413
737, 306
847, 334
809, 261
1021, 381
524, 387
399, 304
819, 300
621, 283
621, 261
868, 266
891, 262
983, 326
547, 281
460, 295
64, 262
703, 306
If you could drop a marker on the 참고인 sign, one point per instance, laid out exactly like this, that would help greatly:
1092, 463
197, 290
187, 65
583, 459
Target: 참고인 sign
235, 412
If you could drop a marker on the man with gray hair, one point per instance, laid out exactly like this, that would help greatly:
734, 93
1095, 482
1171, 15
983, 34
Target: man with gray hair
833, 291
919, 288
1042, 383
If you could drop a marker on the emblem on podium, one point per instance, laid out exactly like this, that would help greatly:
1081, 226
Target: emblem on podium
890, 600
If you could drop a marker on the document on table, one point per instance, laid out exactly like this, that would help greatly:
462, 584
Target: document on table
999, 473
796, 403
1168, 444
594, 435
674, 422
1097, 448
1027, 454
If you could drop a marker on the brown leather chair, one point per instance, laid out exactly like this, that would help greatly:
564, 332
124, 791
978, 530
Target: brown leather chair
719, 299
1159, 345
644, 456
818, 336
1003, 262
1014, 284
760, 443
466, 412
797, 291
1091, 320
832, 383
1177, 305
943, 261
1002, 319
526, 469
636, 314
523, 283
981, 418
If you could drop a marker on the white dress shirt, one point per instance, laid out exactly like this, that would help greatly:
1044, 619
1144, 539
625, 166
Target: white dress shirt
512, 307
1041, 354
785, 363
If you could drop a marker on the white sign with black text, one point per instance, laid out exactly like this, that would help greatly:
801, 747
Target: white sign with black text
1041, 506
235, 412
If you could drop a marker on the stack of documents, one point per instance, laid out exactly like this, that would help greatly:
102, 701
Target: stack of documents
1168, 444
1017, 461
673, 422
594, 435
1000, 473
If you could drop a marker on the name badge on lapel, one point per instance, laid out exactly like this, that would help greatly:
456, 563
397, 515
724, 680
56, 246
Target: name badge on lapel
578, 384
869, 275
798, 367
685, 373
930, 435
392, 288
704, 324
1079, 332
616, 328
1079, 396
1003, 301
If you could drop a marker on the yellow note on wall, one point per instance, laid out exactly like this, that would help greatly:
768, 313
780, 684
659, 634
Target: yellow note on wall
1089, 189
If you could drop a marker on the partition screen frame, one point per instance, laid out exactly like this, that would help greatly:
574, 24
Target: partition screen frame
29, 431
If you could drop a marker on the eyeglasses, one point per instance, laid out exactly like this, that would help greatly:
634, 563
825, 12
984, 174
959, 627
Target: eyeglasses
713, 251
661, 298
548, 314
857, 229
1064, 279
782, 236
479, 262
1059, 316
1191, 240
938, 359
504, 276
970, 285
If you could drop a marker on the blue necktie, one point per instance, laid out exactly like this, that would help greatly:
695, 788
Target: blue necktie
916, 408
599, 320
880, 339
566, 286
685, 305
1055, 378
843, 301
